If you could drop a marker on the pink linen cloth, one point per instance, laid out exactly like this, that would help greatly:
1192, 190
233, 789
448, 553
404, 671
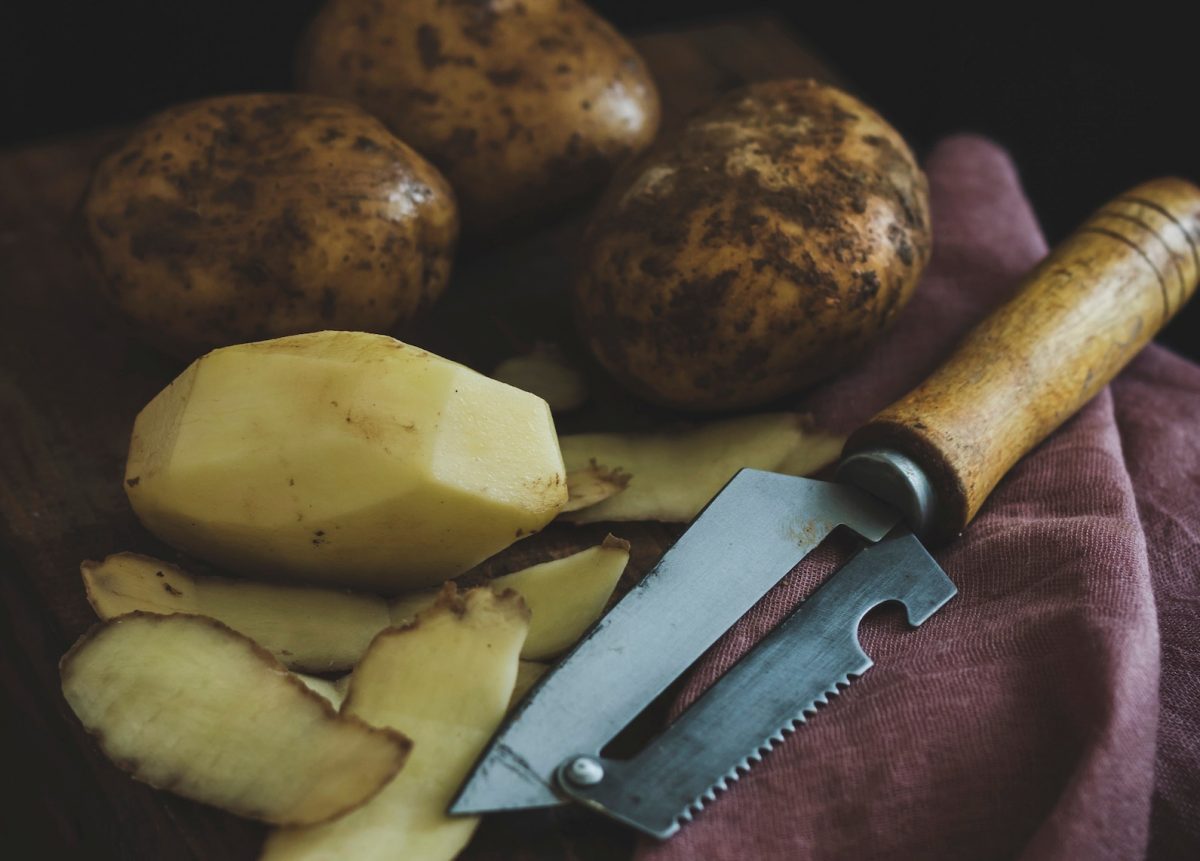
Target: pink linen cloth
1024, 720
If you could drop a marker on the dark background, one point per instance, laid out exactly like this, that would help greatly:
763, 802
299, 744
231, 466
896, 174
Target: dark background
1088, 105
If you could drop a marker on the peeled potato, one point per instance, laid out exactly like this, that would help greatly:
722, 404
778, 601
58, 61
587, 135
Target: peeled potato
252, 216
528, 674
343, 458
185, 704
447, 679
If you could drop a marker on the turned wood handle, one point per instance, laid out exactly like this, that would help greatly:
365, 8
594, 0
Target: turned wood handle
1074, 322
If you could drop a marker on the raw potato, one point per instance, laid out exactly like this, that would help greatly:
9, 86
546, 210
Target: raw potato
528, 674
306, 628
672, 476
593, 484
184, 703
565, 596
523, 105
757, 251
446, 680
343, 458
332, 692
252, 216
545, 373
326, 630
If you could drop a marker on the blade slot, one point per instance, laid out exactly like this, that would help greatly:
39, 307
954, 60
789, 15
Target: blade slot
779, 684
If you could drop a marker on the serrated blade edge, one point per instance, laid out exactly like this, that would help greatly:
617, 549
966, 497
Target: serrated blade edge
752, 759
773, 690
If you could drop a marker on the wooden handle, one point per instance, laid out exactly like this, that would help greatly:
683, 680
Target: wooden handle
1075, 321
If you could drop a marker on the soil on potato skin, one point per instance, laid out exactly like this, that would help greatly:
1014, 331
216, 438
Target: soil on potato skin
680, 329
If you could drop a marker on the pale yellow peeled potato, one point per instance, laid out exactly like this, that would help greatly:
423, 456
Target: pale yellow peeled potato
186, 704
528, 675
343, 458
671, 475
447, 680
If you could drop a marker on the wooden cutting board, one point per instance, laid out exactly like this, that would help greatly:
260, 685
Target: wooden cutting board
71, 382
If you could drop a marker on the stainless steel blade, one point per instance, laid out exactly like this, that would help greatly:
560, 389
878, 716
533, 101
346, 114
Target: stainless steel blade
747, 538
796, 668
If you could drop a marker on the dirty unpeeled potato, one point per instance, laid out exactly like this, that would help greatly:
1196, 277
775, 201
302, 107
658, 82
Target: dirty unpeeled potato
672, 475
185, 704
325, 630
252, 216
756, 251
344, 458
446, 680
522, 105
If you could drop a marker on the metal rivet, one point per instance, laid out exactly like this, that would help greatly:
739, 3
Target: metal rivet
584, 771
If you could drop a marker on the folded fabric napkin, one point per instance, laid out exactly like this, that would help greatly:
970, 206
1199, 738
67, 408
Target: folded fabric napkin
1052, 709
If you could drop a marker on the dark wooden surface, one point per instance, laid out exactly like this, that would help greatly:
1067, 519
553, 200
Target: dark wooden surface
71, 382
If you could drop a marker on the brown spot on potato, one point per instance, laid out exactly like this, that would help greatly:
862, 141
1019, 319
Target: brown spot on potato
654, 266
478, 22
461, 143
328, 304
504, 77
163, 241
429, 46
239, 193
424, 97
252, 269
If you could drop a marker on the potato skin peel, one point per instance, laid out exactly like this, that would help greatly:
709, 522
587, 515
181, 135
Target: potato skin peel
672, 474
523, 105
449, 676
253, 216
397, 741
305, 627
755, 252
